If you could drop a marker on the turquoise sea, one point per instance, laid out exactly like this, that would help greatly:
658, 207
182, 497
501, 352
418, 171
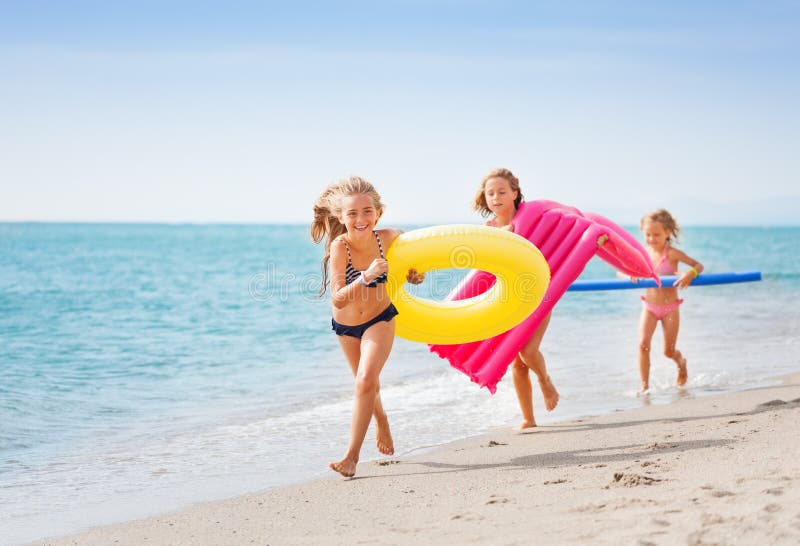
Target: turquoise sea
147, 367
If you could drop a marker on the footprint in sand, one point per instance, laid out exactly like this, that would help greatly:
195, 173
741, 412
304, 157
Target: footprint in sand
387, 462
720, 494
772, 403
656, 446
622, 479
711, 519
468, 517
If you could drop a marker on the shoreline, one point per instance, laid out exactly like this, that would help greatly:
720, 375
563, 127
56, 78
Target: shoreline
709, 469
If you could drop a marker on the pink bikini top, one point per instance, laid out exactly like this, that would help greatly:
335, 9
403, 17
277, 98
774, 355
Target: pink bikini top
663, 267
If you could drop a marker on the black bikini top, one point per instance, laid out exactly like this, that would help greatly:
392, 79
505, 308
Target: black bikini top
351, 273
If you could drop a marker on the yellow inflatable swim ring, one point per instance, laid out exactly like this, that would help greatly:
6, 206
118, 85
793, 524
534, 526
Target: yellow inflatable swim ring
522, 278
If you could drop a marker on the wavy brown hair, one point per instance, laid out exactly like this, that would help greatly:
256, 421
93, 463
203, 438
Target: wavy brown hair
663, 217
479, 203
328, 208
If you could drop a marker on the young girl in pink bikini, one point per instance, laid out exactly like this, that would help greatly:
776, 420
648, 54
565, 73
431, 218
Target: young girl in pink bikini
662, 304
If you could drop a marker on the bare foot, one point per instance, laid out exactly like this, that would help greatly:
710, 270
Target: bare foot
346, 467
644, 390
683, 373
527, 424
383, 436
549, 392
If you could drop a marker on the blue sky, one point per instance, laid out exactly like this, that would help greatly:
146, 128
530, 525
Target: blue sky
183, 111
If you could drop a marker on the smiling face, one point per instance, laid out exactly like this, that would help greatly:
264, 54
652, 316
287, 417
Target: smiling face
655, 235
499, 196
359, 214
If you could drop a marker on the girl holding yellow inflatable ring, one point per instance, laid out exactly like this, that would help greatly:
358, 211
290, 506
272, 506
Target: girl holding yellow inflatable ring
345, 215
500, 195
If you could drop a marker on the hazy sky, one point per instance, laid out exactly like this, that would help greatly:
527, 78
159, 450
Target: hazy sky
242, 111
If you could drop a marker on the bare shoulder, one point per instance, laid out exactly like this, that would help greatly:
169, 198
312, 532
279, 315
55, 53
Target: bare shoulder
676, 254
388, 235
494, 223
338, 247
682, 257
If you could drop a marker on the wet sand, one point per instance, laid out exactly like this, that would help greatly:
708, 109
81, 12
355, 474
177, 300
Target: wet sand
718, 469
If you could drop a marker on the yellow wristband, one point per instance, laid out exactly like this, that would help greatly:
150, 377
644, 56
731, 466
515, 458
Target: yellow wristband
693, 270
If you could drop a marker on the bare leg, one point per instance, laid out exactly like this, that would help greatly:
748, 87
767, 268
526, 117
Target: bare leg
647, 325
375, 347
670, 325
351, 347
522, 384
533, 358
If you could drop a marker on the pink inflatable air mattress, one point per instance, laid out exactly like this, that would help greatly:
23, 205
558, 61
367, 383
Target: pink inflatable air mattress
568, 239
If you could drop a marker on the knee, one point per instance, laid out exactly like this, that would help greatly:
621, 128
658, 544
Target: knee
366, 385
670, 352
644, 347
519, 366
531, 356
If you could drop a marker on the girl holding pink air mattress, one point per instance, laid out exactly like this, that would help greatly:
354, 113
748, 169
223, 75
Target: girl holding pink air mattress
500, 195
568, 239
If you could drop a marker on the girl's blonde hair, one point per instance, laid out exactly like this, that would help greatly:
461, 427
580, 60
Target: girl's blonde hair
663, 217
480, 204
328, 208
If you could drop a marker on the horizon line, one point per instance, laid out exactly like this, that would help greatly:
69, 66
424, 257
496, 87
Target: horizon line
297, 223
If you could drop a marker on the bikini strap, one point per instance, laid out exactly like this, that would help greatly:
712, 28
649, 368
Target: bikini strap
380, 246
349, 257
663, 256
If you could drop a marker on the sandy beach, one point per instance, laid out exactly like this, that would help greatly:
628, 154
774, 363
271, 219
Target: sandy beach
718, 469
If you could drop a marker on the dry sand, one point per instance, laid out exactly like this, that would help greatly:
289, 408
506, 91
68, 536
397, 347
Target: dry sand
712, 470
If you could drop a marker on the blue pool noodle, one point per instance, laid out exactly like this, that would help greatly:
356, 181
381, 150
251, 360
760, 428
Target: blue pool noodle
701, 280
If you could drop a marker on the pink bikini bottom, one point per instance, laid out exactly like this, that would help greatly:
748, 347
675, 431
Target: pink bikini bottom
660, 311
